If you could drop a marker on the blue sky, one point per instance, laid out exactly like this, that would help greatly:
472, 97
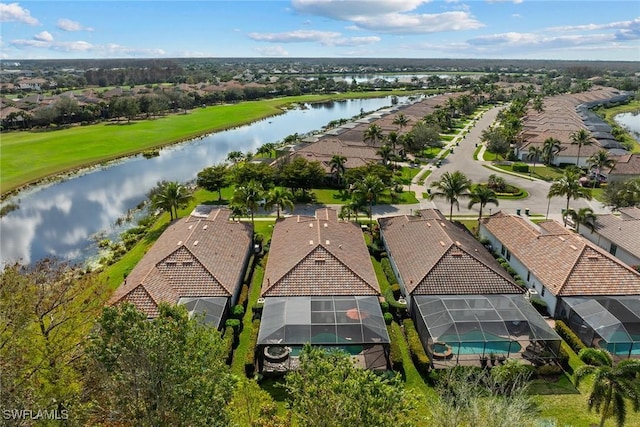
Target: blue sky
527, 29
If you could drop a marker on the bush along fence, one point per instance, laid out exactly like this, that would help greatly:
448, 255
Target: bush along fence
569, 336
250, 361
418, 355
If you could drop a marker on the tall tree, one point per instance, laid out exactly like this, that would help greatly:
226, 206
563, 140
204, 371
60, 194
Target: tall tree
613, 385
534, 154
451, 186
400, 120
249, 196
622, 194
46, 311
162, 372
582, 216
280, 198
369, 189
329, 391
337, 165
393, 138
482, 195
581, 137
550, 149
373, 134
385, 154
170, 196
214, 178
598, 161
569, 186
235, 156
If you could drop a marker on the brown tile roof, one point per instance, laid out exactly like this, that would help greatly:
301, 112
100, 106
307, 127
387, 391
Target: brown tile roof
435, 257
199, 255
627, 165
318, 256
567, 264
624, 230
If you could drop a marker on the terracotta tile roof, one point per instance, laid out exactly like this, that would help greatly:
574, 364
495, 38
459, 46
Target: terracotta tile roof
627, 165
567, 264
624, 230
318, 256
200, 255
435, 257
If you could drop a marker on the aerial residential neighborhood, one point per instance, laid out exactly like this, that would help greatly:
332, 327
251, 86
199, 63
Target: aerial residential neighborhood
320, 213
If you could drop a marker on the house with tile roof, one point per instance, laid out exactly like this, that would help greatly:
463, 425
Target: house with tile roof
199, 261
625, 167
319, 287
574, 277
465, 305
618, 235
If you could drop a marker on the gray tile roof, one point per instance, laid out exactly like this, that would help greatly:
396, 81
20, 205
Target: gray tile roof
435, 257
624, 230
318, 256
197, 256
566, 264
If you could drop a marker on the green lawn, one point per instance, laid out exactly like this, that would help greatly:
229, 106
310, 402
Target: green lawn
340, 197
407, 174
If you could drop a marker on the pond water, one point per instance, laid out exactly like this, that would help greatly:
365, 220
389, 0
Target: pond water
62, 219
630, 121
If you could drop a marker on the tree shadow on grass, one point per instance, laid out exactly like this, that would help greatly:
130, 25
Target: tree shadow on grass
153, 235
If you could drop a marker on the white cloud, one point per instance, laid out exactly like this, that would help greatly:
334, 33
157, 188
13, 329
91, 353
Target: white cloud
44, 36
69, 25
389, 16
13, 12
271, 51
505, 1
325, 38
108, 50
633, 24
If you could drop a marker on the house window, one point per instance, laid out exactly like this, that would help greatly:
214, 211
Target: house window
542, 293
502, 249
613, 249
508, 256
528, 275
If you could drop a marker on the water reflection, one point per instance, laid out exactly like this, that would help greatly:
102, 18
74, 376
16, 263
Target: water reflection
60, 219
631, 121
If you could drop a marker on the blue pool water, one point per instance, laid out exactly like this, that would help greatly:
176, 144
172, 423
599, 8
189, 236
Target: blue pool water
476, 343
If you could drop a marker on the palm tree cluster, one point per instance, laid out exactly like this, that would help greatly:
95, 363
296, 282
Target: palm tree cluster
453, 186
569, 186
170, 196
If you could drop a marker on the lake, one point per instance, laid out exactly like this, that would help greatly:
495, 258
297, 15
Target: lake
630, 121
62, 219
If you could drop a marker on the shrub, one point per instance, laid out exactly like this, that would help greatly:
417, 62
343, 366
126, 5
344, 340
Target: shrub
520, 167
237, 312
418, 354
244, 296
540, 305
548, 371
384, 306
233, 323
250, 361
395, 288
569, 336
388, 318
229, 340
563, 359
395, 355
388, 270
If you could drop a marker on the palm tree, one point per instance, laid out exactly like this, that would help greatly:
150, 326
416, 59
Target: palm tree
451, 186
612, 386
582, 216
249, 196
369, 189
569, 186
581, 137
281, 199
337, 167
534, 154
351, 208
400, 120
599, 161
385, 153
170, 196
538, 104
266, 148
393, 139
550, 149
235, 156
373, 134
481, 194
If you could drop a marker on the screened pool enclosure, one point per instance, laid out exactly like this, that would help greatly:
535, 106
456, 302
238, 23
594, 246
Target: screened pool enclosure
608, 322
482, 329
210, 309
353, 324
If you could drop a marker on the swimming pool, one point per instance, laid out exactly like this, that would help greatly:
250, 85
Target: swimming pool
475, 342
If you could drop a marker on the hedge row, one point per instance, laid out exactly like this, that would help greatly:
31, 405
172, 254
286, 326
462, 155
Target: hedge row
569, 336
388, 270
520, 167
419, 356
244, 296
229, 340
250, 361
395, 355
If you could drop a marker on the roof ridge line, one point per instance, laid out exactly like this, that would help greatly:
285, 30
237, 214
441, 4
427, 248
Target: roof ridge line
379, 291
207, 270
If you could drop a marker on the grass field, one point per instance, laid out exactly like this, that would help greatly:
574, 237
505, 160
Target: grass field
28, 157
